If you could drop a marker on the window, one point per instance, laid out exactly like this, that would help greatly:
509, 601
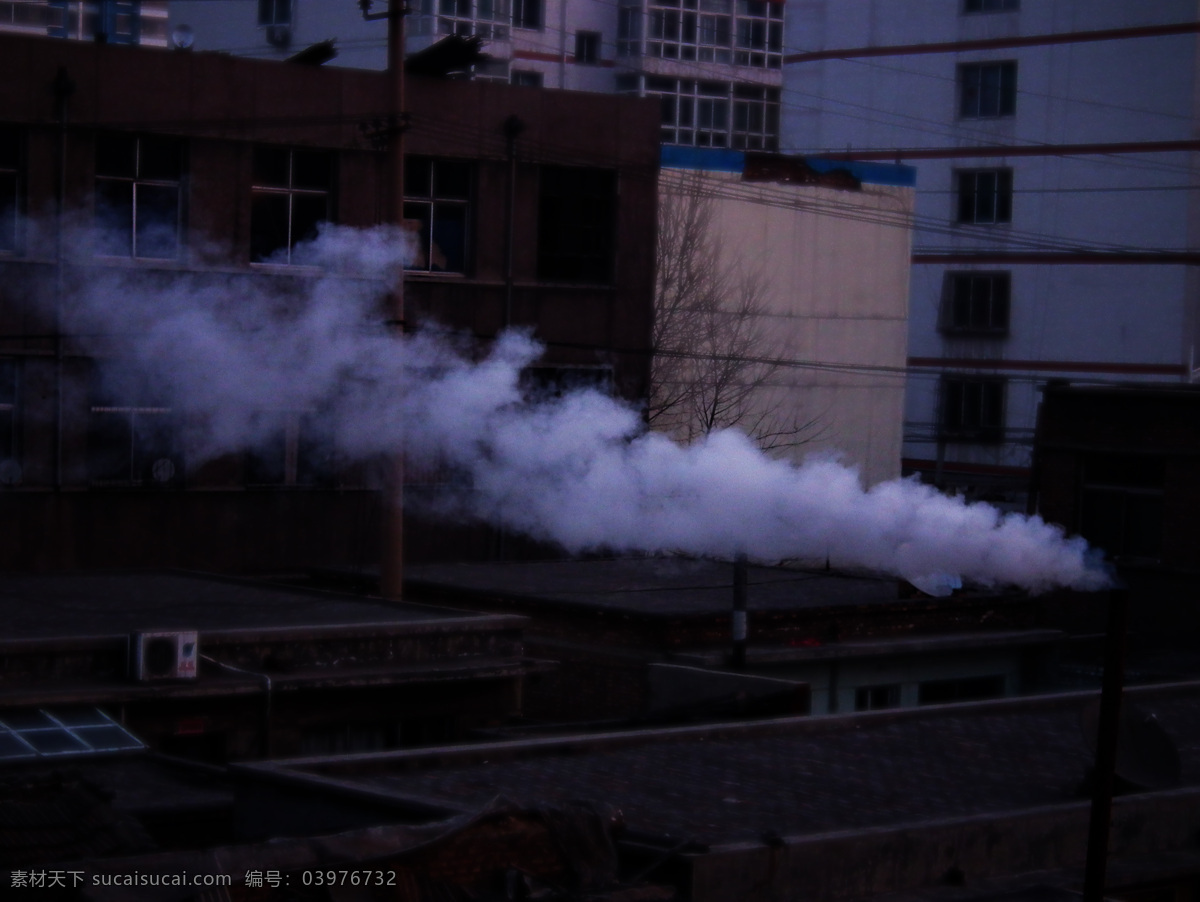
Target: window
987, 90
139, 209
972, 409
10, 188
297, 450
132, 445
755, 118
576, 224
745, 33
629, 30
990, 6
964, 689
274, 12
119, 20
527, 14
975, 302
489, 19
875, 698
437, 196
985, 196
526, 79
291, 196
587, 47
1121, 504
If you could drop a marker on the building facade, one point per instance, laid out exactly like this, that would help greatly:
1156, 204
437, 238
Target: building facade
714, 65
1055, 233
805, 347
209, 169
111, 21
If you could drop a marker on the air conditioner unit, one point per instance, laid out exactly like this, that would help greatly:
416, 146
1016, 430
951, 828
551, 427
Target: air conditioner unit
165, 655
279, 35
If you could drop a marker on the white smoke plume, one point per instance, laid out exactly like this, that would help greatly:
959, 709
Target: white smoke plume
580, 471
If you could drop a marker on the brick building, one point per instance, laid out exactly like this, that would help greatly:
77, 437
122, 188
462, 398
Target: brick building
204, 166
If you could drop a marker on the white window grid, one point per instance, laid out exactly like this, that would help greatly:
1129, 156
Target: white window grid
717, 114
741, 32
489, 19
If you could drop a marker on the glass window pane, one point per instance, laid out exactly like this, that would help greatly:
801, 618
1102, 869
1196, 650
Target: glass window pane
157, 222
268, 225
308, 211
271, 167
449, 238
312, 169
114, 217
116, 155
160, 159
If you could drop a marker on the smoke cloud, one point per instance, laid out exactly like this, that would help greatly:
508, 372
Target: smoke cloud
580, 471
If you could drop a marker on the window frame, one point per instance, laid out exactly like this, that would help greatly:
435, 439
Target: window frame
435, 200
281, 13
587, 48
972, 408
985, 7
968, 193
10, 406
140, 466
528, 14
139, 183
291, 192
977, 99
966, 315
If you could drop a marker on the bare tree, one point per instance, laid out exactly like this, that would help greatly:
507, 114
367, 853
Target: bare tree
715, 363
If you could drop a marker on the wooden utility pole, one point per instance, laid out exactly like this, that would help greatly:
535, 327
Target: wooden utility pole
391, 560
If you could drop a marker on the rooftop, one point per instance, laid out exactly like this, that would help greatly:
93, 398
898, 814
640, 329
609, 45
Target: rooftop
790, 777
104, 604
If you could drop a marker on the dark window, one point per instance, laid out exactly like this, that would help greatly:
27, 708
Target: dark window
526, 79
990, 6
8, 418
437, 196
874, 698
132, 445
274, 12
972, 409
527, 13
291, 196
987, 90
976, 303
963, 689
629, 30
587, 47
10, 188
1121, 504
296, 449
576, 224
139, 209
119, 20
985, 196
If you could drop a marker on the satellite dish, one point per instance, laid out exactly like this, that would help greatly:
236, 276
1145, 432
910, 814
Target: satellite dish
10, 472
183, 37
163, 469
1146, 754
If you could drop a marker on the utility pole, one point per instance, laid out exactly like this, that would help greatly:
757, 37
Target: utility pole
391, 561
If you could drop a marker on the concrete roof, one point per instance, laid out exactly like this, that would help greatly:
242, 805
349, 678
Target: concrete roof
673, 587
791, 777
104, 604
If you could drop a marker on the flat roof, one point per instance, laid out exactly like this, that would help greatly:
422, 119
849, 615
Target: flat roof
673, 587
788, 777
105, 604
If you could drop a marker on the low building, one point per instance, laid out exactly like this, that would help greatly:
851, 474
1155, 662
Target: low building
650, 638
956, 802
224, 669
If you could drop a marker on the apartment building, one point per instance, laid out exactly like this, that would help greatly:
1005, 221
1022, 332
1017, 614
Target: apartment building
1056, 207
715, 65
111, 21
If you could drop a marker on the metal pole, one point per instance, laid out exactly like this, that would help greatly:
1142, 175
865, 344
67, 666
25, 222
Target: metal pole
1106, 746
